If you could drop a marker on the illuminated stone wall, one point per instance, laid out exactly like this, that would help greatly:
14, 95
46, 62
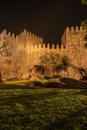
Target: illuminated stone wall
74, 44
18, 54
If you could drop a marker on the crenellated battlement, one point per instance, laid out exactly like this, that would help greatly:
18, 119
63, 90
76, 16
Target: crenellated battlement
73, 36
44, 46
24, 50
76, 29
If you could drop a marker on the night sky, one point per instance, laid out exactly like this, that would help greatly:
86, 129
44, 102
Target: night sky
47, 19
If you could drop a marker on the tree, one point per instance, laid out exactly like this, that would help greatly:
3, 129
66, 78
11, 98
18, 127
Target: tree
84, 2
65, 63
50, 61
84, 24
55, 63
37, 72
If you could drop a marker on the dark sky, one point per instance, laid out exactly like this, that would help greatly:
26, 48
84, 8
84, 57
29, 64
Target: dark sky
47, 19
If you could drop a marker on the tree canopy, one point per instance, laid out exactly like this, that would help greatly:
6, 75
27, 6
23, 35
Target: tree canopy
84, 24
84, 2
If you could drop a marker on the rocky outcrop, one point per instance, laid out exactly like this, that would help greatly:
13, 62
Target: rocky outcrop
72, 72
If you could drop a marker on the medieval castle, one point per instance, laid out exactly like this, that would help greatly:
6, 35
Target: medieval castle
19, 53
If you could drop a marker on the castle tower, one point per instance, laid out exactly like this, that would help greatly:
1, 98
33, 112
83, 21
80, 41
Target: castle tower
73, 36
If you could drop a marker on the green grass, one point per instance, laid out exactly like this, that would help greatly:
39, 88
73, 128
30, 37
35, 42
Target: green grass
16, 82
12, 84
42, 108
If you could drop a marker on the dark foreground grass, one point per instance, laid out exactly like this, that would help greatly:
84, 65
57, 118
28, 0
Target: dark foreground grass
43, 109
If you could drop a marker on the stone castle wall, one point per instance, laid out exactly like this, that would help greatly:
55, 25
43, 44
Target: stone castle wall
19, 53
74, 44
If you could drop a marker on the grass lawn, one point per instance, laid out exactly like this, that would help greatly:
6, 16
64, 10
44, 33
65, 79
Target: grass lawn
42, 108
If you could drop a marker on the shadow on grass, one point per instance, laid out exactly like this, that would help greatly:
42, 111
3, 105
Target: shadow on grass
52, 84
32, 84
27, 98
66, 83
72, 121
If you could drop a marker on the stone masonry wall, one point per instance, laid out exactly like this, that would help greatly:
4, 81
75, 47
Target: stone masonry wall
74, 44
26, 50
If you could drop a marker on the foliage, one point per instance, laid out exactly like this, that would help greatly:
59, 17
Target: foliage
84, 24
84, 2
5, 46
50, 59
86, 72
38, 68
85, 75
65, 63
56, 76
55, 62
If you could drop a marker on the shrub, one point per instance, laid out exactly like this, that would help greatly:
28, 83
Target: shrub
56, 76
